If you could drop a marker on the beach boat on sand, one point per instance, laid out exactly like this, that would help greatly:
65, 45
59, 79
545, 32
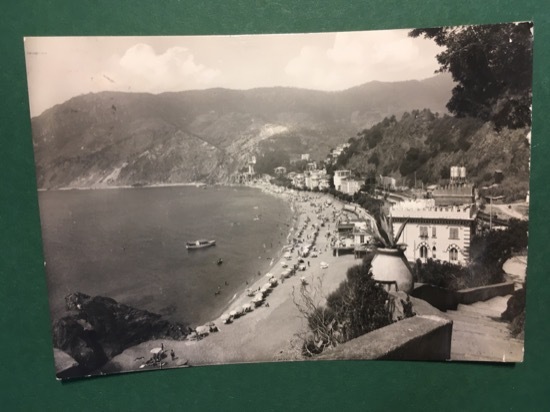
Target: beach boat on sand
199, 244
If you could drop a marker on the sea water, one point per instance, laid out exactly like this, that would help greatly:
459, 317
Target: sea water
129, 244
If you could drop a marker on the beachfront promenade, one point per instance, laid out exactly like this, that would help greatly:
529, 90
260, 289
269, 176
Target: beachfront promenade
269, 332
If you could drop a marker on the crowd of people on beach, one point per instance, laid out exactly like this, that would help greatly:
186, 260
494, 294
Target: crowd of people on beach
313, 213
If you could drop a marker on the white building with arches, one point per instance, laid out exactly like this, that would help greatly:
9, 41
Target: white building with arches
435, 232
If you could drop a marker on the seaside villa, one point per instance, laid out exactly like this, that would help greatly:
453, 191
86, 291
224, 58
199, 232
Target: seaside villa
344, 183
435, 232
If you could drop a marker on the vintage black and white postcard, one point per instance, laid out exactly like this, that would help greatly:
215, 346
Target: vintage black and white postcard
257, 198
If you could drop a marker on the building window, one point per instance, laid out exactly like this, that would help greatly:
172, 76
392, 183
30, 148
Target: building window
453, 233
433, 252
423, 231
362, 239
453, 255
434, 232
423, 253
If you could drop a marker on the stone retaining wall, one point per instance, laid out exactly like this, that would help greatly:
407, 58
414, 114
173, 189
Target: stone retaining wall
442, 299
472, 295
445, 299
426, 336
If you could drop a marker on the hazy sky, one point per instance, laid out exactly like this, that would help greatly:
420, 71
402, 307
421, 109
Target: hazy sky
59, 68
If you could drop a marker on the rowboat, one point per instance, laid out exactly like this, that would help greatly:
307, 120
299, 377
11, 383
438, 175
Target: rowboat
199, 244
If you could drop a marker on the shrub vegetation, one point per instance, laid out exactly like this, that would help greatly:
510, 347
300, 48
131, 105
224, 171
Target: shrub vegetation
357, 307
488, 251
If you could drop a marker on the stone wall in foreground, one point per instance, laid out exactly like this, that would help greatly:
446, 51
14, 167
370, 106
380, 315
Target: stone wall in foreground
426, 336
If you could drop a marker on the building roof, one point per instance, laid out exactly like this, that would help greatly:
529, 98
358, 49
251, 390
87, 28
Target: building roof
423, 210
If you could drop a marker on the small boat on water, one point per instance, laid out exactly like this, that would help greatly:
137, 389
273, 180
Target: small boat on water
199, 244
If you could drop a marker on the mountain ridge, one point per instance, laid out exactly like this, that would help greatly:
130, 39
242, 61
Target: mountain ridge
119, 138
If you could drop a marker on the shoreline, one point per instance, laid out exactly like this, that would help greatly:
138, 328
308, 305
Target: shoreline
269, 332
182, 304
265, 267
110, 187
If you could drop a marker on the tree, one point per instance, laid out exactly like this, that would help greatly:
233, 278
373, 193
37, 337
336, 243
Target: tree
492, 66
370, 182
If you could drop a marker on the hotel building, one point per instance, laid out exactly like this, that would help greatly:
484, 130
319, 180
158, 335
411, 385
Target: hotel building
435, 232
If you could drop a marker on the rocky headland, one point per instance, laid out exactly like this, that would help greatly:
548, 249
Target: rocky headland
98, 328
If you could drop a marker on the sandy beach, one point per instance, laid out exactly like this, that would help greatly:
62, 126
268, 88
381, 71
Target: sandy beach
268, 332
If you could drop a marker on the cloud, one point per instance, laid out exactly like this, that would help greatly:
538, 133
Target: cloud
141, 69
358, 57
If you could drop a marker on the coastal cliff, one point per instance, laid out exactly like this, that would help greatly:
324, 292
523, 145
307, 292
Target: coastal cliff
99, 328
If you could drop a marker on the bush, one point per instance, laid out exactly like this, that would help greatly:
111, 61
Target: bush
488, 251
493, 248
515, 312
456, 277
357, 307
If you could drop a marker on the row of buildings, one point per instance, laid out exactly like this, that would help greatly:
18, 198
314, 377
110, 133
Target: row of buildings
311, 179
438, 226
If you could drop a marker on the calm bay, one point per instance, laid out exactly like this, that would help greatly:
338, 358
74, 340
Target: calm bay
129, 244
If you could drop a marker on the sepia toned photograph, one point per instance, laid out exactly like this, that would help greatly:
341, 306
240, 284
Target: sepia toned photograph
211, 200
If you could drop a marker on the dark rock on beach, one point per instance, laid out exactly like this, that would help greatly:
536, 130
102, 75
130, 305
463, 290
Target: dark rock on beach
99, 328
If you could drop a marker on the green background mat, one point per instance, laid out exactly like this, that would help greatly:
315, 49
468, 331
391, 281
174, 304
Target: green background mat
26, 365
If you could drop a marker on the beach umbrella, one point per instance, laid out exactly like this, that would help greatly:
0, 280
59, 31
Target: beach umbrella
269, 275
258, 298
233, 313
203, 330
273, 282
156, 351
247, 307
225, 318
211, 326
